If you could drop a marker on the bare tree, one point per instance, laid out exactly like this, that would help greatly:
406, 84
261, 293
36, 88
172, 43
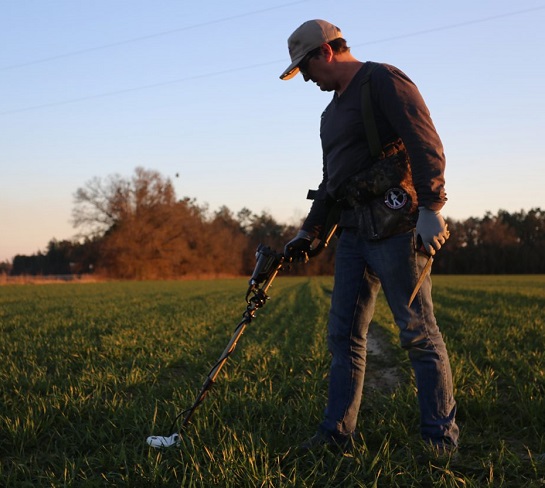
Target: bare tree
101, 204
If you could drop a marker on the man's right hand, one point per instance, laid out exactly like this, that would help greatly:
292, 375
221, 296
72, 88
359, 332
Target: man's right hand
431, 230
298, 248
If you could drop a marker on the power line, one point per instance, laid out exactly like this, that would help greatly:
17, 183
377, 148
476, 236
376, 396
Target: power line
138, 88
150, 36
254, 66
451, 26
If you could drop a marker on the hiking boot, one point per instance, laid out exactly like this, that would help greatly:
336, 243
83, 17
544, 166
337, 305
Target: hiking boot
322, 440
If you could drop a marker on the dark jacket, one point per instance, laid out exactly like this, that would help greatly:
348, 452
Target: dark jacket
400, 112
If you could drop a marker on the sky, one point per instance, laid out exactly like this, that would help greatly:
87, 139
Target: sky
93, 88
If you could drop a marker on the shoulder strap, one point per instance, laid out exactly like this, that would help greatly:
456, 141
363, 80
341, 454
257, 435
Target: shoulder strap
367, 112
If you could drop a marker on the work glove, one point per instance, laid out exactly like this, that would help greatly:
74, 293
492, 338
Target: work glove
431, 230
298, 248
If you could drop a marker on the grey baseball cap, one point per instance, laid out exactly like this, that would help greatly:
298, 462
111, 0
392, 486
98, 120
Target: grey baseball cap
308, 36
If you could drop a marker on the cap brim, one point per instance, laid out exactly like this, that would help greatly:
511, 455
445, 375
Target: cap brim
289, 74
292, 69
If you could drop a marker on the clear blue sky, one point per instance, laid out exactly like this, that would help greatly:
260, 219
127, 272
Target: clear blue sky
97, 87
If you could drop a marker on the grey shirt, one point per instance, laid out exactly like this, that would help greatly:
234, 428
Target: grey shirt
400, 112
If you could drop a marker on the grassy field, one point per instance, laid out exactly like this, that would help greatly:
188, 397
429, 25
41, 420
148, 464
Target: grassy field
88, 371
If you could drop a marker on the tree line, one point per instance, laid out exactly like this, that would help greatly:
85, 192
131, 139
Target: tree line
136, 228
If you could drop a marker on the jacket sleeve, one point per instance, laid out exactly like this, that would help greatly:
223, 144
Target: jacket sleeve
402, 105
317, 216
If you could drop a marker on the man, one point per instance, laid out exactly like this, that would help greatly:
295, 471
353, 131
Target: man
370, 252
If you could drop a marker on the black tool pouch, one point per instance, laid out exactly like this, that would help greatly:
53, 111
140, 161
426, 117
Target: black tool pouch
382, 196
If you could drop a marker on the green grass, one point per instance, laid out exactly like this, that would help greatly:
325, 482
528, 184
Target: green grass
88, 371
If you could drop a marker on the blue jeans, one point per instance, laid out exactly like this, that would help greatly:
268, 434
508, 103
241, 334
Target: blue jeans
361, 267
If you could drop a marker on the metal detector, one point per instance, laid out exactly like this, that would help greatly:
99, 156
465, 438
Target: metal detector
268, 265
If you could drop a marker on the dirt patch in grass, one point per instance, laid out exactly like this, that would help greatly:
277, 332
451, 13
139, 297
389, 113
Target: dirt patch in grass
383, 366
